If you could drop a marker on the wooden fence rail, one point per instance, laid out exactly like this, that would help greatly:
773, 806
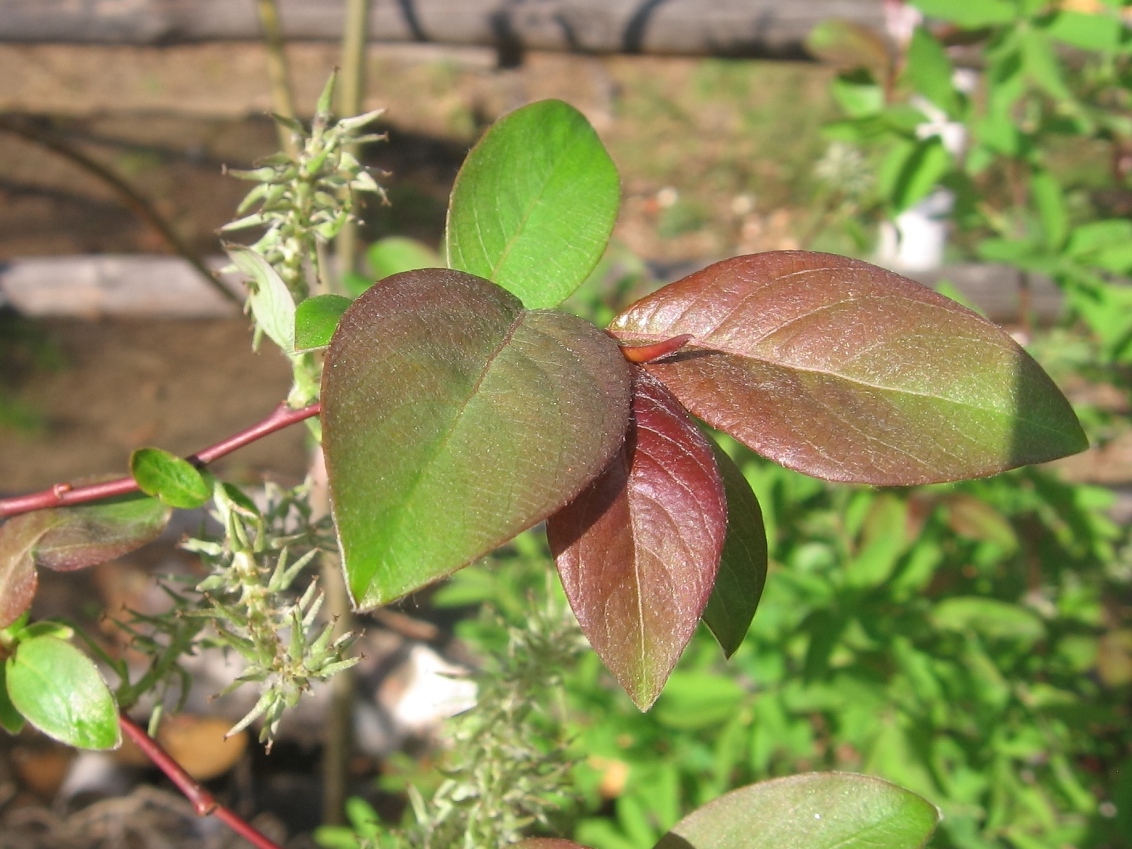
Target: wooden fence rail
741, 28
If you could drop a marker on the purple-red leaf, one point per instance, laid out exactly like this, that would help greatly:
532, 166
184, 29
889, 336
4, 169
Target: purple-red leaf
18, 579
848, 372
638, 550
90, 534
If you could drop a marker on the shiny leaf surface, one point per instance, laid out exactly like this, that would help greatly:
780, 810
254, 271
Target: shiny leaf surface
453, 419
845, 371
534, 204
638, 550
58, 690
174, 480
315, 320
812, 811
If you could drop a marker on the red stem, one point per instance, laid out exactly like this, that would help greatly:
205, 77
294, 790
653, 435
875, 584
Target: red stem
62, 494
203, 802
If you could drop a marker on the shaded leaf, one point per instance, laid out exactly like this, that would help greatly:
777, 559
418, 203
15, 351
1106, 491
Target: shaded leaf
58, 690
94, 533
453, 419
547, 843
742, 567
315, 320
174, 480
638, 550
534, 204
845, 371
270, 300
18, 580
11, 720
974, 518
812, 811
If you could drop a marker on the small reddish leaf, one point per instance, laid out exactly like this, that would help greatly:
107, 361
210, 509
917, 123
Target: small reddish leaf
742, 567
86, 535
654, 351
638, 550
845, 371
18, 580
453, 419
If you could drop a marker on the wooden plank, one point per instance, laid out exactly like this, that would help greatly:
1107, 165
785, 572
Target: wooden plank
166, 287
748, 28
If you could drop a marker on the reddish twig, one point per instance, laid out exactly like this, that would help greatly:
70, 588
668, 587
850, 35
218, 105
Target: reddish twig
203, 802
63, 494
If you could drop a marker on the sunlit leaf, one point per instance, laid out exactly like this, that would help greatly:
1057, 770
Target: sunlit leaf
547, 843
850, 45
453, 419
94, 533
58, 690
534, 204
18, 580
315, 320
742, 568
812, 811
395, 254
270, 300
174, 480
11, 720
638, 550
845, 371
990, 617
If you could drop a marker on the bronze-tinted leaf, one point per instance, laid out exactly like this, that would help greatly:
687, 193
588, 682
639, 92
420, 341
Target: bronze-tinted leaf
89, 534
453, 419
18, 581
845, 371
638, 550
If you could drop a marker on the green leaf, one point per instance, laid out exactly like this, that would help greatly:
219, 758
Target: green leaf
742, 568
90, 534
270, 300
395, 254
547, 843
846, 44
913, 170
453, 419
534, 204
990, 617
315, 320
174, 480
1049, 200
929, 70
698, 700
1087, 30
638, 550
58, 690
18, 579
842, 370
11, 720
970, 14
813, 811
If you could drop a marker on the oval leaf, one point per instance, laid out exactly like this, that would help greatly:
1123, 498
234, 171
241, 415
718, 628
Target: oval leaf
742, 567
174, 480
845, 371
453, 419
90, 534
638, 550
315, 320
18, 580
534, 204
813, 811
270, 300
58, 690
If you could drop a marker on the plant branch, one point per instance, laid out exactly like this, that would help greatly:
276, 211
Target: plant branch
63, 494
126, 193
203, 802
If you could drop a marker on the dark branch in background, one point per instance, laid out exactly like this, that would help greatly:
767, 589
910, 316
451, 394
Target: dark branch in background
203, 802
32, 132
63, 494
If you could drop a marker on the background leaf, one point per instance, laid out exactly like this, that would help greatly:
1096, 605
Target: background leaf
395, 254
174, 480
58, 690
453, 419
90, 534
638, 550
742, 567
812, 811
315, 320
534, 204
845, 371
18, 580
